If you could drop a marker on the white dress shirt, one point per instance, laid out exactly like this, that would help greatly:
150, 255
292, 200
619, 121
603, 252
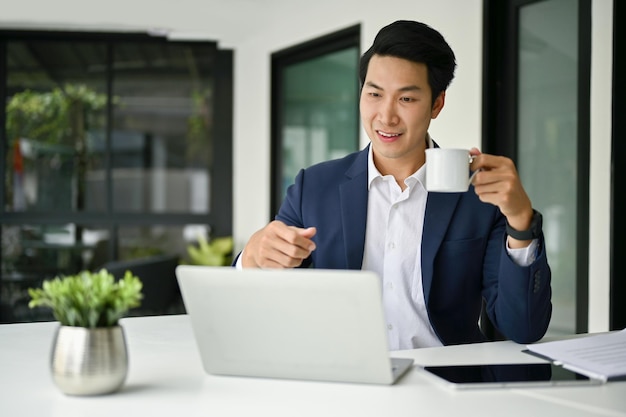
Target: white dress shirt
393, 238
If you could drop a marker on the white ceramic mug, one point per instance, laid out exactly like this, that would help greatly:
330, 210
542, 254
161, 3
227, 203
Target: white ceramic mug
448, 170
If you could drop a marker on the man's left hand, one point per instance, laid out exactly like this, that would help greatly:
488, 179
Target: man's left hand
498, 183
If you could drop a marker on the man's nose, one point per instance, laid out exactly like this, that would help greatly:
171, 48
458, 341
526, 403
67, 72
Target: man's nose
387, 113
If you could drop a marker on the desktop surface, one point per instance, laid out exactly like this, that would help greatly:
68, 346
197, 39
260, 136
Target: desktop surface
166, 378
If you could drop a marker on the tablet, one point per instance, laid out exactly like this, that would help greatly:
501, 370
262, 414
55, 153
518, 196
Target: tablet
506, 375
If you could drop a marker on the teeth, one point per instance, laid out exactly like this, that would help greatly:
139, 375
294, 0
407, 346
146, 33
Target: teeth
388, 135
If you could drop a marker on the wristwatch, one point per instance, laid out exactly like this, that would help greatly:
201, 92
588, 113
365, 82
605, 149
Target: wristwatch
533, 232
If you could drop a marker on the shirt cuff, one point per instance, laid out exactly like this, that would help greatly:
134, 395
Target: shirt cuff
523, 256
238, 264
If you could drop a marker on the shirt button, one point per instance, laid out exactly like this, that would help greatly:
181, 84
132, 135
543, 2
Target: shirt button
389, 286
392, 245
389, 326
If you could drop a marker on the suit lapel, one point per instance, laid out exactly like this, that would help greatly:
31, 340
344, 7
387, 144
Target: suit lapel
439, 210
353, 196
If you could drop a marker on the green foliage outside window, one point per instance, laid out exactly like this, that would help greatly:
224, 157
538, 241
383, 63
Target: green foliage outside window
52, 117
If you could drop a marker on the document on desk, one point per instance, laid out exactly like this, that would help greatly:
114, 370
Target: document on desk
601, 356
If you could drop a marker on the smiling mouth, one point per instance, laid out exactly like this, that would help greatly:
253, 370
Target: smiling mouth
387, 136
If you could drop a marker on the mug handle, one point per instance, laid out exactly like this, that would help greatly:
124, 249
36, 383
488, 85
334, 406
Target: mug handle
471, 178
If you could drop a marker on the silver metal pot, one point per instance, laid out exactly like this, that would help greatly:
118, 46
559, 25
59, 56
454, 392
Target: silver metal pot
89, 361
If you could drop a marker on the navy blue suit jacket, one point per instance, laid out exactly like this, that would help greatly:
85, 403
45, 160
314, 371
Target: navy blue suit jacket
463, 252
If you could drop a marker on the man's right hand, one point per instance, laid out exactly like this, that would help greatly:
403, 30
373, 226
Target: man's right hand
278, 246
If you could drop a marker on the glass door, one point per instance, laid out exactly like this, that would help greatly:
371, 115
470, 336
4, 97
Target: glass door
547, 132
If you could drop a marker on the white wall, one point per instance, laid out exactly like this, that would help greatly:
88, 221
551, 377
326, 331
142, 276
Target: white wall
257, 28
600, 164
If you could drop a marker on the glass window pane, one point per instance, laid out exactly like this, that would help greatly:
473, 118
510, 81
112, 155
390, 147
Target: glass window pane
547, 132
50, 250
33, 253
320, 115
162, 127
64, 154
136, 242
56, 103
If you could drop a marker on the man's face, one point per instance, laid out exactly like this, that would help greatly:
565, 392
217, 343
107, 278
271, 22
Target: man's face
396, 109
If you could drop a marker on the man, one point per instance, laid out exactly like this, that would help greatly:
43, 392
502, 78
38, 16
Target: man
438, 254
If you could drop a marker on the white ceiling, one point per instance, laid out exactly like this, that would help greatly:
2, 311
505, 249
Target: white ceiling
227, 21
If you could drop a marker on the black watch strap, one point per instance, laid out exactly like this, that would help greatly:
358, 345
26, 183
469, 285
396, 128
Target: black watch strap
533, 232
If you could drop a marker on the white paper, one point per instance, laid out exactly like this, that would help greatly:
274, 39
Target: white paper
600, 356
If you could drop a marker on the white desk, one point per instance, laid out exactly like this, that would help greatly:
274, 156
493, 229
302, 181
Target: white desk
166, 379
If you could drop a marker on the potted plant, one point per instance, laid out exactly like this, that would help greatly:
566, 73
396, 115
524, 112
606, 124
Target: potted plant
89, 354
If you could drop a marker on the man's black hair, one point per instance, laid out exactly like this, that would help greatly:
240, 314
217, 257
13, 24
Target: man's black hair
417, 42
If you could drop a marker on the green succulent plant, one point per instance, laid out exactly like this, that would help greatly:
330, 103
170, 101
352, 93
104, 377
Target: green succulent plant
88, 299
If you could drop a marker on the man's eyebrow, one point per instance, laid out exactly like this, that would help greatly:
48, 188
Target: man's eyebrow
407, 88
371, 84
411, 88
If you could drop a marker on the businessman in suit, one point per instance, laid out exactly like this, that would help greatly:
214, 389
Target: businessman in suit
439, 255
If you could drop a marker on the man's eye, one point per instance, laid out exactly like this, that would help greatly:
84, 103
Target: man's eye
374, 94
406, 99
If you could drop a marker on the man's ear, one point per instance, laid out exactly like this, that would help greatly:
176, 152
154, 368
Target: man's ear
438, 105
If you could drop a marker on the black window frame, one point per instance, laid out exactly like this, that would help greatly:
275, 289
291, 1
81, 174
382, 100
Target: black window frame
219, 217
617, 308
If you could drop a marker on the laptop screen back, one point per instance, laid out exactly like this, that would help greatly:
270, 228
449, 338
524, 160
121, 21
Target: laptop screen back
301, 324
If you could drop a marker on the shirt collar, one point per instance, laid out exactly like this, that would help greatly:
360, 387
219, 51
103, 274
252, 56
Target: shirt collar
373, 172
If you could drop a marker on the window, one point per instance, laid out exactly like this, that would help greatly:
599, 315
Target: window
112, 149
315, 99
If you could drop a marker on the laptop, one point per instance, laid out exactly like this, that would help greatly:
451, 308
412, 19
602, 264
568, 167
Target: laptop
307, 324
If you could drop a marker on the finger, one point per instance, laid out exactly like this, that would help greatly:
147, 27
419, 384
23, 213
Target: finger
290, 234
272, 252
496, 178
309, 232
279, 262
299, 237
509, 195
268, 263
290, 250
488, 162
474, 153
